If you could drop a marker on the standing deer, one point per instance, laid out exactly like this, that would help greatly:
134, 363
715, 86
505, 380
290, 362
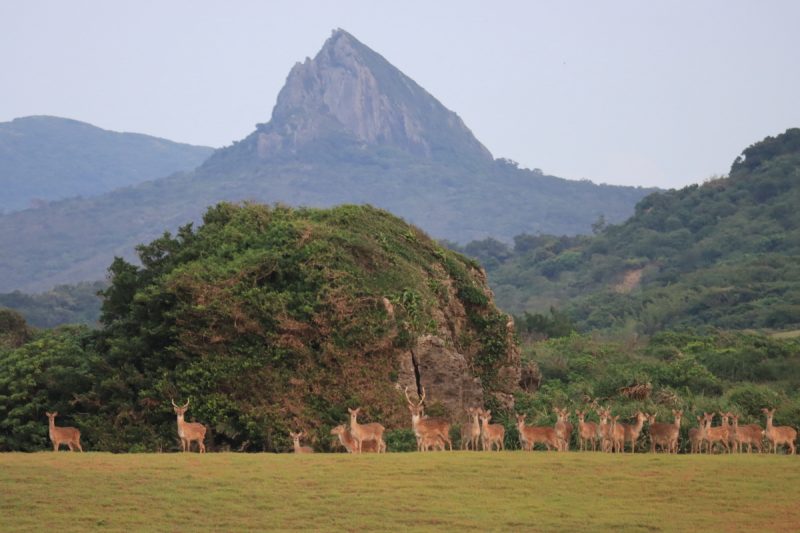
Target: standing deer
296, 443
491, 434
364, 432
471, 431
698, 435
617, 435
779, 434
632, 431
587, 431
563, 428
189, 431
715, 434
349, 443
665, 435
530, 435
426, 428
604, 430
63, 435
751, 434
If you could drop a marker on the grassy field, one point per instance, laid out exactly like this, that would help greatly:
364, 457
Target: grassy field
398, 492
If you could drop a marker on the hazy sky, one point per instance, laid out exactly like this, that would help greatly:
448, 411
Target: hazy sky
629, 92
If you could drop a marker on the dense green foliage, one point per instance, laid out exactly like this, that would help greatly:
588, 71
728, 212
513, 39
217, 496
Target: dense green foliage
48, 158
725, 253
268, 319
65, 304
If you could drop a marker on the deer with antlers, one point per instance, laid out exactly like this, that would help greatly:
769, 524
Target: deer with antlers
346, 439
665, 435
777, 435
587, 431
471, 431
63, 435
491, 434
427, 428
296, 443
189, 431
364, 432
530, 435
751, 434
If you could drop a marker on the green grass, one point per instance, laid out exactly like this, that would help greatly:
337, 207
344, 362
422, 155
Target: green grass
398, 492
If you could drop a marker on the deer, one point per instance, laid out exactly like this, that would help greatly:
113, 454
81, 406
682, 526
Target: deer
471, 431
425, 427
779, 434
751, 434
63, 435
632, 431
604, 430
617, 435
563, 428
665, 435
296, 443
530, 435
189, 431
716, 434
587, 431
491, 434
349, 443
698, 435
363, 432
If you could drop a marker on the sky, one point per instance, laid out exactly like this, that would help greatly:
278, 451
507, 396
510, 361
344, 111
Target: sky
623, 92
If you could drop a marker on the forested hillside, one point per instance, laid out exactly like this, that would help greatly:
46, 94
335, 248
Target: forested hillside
43, 159
725, 253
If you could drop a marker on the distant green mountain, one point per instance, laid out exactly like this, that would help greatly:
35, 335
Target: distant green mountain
724, 254
348, 127
49, 158
64, 304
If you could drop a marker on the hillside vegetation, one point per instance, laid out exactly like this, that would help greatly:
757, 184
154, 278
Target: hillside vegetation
268, 319
43, 159
724, 254
462, 491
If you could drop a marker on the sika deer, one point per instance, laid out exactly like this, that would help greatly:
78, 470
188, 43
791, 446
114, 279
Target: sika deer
632, 431
364, 432
530, 435
779, 434
665, 435
296, 442
471, 431
491, 434
427, 428
587, 431
751, 434
561, 429
719, 433
63, 435
346, 439
604, 430
189, 431
698, 435
617, 435
563, 415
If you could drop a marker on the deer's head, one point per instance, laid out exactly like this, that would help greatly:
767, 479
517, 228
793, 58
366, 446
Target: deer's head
180, 410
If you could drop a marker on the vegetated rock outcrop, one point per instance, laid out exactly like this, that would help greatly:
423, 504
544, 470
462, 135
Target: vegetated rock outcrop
272, 319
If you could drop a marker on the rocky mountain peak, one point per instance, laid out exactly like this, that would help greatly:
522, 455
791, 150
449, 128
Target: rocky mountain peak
348, 95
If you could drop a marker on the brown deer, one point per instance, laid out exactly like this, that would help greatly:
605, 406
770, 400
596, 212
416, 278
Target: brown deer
364, 432
530, 435
471, 431
189, 431
425, 428
296, 443
632, 431
617, 435
587, 431
665, 435
751, 434
777, 435
604, 430
697, 436
346, 439
491, 434
63, 435
717, 434
563, 428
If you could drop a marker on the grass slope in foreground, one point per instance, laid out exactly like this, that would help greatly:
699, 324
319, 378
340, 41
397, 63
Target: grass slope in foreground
398, 492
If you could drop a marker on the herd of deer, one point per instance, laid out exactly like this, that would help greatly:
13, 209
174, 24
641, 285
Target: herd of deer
432, 433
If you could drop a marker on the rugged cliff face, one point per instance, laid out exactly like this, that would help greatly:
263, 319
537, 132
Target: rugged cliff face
349, 92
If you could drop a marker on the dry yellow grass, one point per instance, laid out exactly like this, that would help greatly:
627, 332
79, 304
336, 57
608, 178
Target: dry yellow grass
398, 492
